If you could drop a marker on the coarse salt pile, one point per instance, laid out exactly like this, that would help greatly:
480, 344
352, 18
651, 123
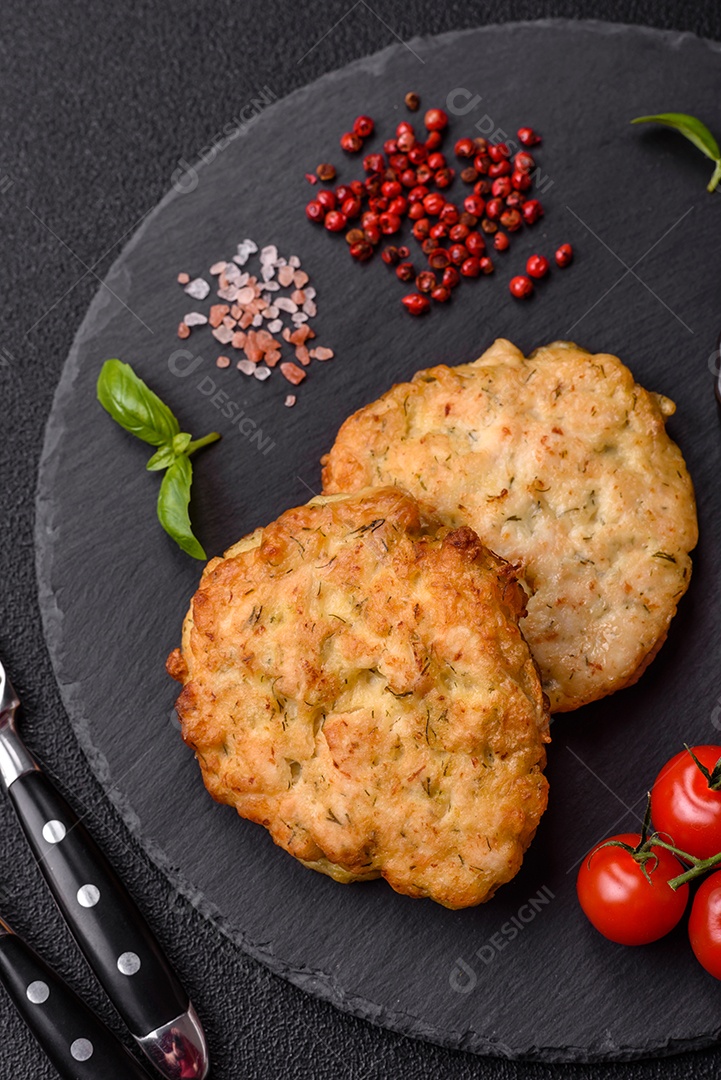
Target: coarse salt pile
277, 300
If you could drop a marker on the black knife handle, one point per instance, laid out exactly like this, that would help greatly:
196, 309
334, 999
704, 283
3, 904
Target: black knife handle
111, 932
79, 1045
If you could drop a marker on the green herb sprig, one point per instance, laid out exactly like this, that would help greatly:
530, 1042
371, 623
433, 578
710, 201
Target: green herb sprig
696, 132
134, 406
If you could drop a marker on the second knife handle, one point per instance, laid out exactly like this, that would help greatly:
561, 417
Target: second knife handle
79, 1045
111, 932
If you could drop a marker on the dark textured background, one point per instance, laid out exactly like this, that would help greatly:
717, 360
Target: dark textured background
97, 103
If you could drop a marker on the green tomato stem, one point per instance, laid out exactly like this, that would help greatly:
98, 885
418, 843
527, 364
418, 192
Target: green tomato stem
698, 866
716, 178
196, 444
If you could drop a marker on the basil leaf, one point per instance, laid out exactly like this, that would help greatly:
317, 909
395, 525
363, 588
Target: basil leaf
689, 126
173, 500
181, 442
133, 405
161, 459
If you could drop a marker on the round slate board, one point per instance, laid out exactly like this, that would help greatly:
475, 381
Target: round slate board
525, 974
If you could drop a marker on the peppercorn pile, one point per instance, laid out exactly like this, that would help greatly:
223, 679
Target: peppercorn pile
398, 186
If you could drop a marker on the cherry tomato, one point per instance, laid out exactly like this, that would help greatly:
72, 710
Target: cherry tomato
704, 925
684, 806
621, 902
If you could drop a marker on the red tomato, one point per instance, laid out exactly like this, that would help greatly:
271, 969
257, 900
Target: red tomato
704, 925
621, 902
685, 807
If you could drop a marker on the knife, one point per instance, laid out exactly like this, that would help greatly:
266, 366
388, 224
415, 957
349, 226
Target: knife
104, 920
77, 1042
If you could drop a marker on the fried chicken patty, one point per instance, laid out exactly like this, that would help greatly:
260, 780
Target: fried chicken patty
355, 680
561, 463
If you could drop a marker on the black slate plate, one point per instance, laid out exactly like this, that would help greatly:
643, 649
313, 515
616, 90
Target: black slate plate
516, 977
